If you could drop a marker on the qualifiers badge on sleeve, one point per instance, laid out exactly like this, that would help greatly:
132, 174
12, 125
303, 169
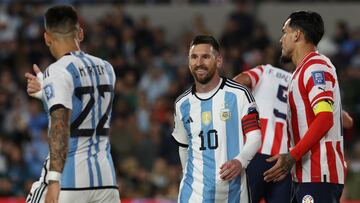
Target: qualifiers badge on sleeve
49, 91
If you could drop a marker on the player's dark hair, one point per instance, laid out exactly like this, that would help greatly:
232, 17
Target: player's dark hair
310, 23
206, 39
61, 18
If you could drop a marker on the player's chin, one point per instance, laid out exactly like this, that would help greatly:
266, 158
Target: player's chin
202, 79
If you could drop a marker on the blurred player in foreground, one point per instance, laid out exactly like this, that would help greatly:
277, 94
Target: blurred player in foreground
78, 92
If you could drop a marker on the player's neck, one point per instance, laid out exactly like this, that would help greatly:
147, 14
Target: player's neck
65, 48
204, 88
302, 52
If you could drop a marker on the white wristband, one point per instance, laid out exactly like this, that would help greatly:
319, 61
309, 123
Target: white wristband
38, 94
54, 175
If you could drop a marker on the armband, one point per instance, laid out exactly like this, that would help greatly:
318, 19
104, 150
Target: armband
323, 106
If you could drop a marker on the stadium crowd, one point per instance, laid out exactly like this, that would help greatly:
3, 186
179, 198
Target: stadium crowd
151, 72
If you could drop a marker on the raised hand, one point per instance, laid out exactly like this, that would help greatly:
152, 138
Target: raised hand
34, 83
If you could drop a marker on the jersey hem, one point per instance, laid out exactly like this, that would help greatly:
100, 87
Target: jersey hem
92, 188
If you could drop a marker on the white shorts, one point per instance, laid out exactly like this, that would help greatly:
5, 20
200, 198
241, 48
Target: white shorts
105, 195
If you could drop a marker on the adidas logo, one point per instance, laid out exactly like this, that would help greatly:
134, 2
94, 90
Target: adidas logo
189, 120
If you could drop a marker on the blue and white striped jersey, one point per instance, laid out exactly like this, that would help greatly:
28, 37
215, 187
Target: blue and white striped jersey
84, 84
213, 131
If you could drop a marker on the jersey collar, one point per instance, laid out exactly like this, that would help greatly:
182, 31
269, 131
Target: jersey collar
193, 90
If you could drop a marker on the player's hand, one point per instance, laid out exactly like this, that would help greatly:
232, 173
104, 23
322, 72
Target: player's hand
52, 195
230, 169
34, 83
280, 169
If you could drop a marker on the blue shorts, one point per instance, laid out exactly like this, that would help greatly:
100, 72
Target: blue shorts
272, 192
316, 192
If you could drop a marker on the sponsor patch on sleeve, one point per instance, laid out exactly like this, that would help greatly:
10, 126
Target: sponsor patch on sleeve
49, 91
318, 77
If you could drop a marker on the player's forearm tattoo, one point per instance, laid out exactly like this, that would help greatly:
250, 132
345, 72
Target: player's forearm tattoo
58, 138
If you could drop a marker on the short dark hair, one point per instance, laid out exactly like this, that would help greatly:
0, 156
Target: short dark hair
310, 23
62, 19
206, 39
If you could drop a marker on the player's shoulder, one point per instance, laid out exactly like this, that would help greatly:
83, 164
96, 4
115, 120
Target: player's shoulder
318, 61
58, 67
96, 59
238, 89
183, 96
268, 68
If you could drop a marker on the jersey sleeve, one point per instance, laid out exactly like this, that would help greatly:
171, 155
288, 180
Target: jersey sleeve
57, 88
319, 83
255, 75
179, 133
251, 129
250, 119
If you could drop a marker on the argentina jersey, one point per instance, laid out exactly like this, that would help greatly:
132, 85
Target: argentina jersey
211, 130
84, 84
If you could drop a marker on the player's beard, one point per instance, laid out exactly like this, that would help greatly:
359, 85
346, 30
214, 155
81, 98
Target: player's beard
205, 79
285, 59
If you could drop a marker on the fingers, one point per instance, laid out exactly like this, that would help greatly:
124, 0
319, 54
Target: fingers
230, 169
30, 76
280, 178
36, 69
33, 86
274, 175
231, 174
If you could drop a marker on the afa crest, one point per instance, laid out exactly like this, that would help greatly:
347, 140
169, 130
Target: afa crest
225, 114
206, 117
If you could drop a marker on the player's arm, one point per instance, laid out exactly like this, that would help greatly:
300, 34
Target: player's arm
244, 79
180, 138
318, 128
58, 137
251, 77
183, 154
251, 129
347, 120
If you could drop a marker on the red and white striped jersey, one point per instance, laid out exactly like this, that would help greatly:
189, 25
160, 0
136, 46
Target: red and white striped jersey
315, 80
269, 87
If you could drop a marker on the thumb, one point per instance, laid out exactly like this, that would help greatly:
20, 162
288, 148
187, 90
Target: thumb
36, 69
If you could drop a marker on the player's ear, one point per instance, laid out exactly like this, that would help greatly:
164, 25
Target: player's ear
297, 35
47, 39
81, 35
219, 61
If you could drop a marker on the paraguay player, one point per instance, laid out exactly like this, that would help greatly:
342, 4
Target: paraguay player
269, 87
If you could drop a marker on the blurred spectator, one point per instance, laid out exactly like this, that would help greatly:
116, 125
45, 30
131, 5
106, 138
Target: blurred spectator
35, 153
154, 83
38, 119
